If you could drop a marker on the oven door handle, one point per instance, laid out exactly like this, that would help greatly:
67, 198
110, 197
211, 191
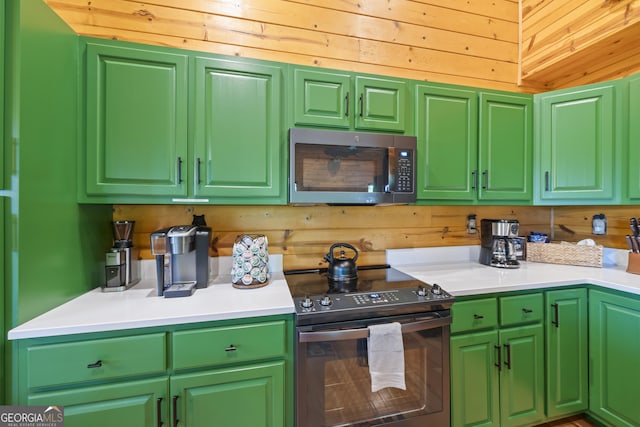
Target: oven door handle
353, 334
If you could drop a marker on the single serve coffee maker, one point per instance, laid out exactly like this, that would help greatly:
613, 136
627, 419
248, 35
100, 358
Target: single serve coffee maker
122, 268
182, 259
498, 237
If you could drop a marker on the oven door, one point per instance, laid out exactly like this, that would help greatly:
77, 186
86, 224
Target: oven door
333, 384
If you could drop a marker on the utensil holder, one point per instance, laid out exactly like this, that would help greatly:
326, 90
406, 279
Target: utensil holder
634, 263
250, 268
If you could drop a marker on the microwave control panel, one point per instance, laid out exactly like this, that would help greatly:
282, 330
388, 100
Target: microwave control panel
402, 170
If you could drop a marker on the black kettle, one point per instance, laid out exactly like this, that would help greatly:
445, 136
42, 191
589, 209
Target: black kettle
342, 268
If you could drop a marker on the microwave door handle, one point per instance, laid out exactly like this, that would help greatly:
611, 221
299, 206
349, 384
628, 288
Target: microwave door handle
353, 334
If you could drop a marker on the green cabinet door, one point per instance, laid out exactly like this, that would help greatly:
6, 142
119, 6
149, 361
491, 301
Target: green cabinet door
505, 153
577, 141
136, 122
614, 349
322, 98
475, 386
381, 104
446, 125
522, 376
566, 352
634, 137
238, 140
127, 404
251, 395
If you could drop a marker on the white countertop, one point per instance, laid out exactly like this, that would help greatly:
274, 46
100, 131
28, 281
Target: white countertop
456, 269
140, 307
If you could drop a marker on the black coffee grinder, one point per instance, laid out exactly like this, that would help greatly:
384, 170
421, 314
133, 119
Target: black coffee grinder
497, 242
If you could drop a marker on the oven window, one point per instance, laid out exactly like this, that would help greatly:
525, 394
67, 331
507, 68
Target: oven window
340, 168
334, 385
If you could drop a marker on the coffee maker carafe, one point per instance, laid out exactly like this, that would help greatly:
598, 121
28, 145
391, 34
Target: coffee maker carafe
182, 259
497, 242
122, 269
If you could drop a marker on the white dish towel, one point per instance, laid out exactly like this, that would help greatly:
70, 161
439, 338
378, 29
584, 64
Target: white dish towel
386, 356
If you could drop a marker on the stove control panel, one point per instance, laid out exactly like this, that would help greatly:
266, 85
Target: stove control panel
362, 300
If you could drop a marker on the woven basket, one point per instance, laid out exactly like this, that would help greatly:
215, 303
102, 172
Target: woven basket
565, 253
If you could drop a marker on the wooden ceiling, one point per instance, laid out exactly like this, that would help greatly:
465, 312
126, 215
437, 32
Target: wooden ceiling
526, 45
570, 43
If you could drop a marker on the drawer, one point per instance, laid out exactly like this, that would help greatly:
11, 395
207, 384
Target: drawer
95, 360
521, 309
225, 345
474, 315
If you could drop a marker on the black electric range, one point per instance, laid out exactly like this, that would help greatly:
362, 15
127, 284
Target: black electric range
379, 291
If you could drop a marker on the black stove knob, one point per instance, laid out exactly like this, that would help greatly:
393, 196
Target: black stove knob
325, 301
306, 302
436, 289
421, 291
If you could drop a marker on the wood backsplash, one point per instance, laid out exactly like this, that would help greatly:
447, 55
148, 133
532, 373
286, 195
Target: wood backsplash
303, 234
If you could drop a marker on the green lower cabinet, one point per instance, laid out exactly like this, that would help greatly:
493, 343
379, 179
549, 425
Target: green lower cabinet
522, 376
126, 404
246, 396
566, 352
614, 351
475, 386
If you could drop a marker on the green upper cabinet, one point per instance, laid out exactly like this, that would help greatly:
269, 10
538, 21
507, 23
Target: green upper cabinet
446, 127
173, 126
136, 124
633, 120
473, 147
614, 351
238, 119
505, 158
578, 142
341, 100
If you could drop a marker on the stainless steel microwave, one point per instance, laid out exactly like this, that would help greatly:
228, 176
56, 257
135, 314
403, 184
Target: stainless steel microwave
360, 168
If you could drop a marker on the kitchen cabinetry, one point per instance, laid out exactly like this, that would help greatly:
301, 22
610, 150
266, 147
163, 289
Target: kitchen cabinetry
223, 373
238, 141
136, 123
578, 140
346, 101
497, 361
473, 147
634, 138
173, 126
567, 388
614, 350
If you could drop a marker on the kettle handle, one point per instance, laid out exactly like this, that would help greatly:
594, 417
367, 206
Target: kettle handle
329, 256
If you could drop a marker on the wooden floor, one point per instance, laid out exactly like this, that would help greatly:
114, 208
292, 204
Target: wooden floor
577, 421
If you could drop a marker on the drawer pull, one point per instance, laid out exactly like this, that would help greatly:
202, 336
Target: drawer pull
98, 364
478, 316
556, 319
231, 348
507, 361
159, 411
527, 310
175, 411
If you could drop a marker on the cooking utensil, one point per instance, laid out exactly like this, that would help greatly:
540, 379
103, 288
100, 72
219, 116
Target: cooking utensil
630, 241
342, 268
633, 224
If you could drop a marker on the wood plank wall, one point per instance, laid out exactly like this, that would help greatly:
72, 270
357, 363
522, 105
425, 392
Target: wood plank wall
571, 43
303, 234
471, 43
